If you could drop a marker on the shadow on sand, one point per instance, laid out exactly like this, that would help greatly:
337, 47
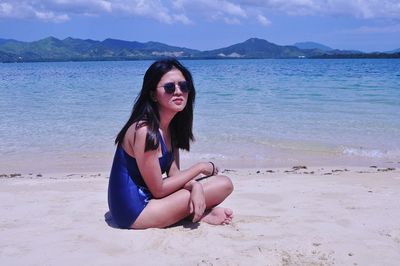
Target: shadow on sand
185, 223
109, 220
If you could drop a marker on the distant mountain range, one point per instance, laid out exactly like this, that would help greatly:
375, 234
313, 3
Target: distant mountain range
70, 49
312, 45
393, 51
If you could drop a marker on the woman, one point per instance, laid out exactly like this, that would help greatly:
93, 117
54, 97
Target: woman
148, 146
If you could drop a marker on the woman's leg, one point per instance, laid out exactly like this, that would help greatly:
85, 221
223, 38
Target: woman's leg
219, 187
216, 189
163, 212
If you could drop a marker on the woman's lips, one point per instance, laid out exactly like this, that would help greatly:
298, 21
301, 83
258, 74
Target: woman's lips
178, 101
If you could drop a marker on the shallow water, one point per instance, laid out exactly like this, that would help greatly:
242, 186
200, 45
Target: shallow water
252, 112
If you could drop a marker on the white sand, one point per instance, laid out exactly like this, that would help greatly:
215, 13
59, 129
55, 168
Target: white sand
294, 218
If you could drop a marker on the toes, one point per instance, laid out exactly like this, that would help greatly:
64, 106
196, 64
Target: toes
228, 212
227, 221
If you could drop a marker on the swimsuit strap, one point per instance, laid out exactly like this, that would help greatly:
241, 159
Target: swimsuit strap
164, 149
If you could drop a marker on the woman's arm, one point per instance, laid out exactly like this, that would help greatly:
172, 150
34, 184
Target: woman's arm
197, 203
149, 167
208, 168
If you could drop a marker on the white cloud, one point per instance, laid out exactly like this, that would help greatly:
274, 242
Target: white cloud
60, 10
150, 8
76, 6
178, 4
263, 20
182, 18
164, 11
358, 8
50, 16
232, 21
230, 8
220, 10
26, 9
188, 11
5, 9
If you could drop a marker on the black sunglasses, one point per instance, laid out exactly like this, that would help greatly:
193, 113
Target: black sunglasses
170, 87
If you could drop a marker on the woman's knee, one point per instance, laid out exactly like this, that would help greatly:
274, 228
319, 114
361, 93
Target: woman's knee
225, 183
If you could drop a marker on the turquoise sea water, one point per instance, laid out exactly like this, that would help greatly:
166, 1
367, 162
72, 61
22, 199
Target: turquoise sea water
252, 112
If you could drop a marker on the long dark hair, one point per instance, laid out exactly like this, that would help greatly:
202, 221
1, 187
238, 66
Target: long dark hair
145, 110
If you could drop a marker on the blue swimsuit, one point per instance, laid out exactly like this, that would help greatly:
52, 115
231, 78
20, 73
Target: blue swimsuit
128, 194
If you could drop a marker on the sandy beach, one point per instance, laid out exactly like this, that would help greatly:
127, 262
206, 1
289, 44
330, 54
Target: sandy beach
283, 216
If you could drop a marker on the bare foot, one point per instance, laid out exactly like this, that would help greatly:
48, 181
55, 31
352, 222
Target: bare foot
218, 216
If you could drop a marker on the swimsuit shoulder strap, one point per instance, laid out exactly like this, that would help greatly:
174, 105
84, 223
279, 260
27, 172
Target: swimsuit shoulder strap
162, 143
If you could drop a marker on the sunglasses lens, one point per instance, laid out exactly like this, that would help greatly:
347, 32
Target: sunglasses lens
183, 85
169, 87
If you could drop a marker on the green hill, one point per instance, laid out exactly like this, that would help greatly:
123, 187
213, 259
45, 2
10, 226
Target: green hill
255, 48
70, 49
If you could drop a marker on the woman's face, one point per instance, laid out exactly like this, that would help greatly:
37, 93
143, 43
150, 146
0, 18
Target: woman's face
171, 100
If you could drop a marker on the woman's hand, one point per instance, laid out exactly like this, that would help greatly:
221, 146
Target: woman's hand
197, 204
209, 169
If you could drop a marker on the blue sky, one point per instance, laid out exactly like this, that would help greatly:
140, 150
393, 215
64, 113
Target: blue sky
366, 25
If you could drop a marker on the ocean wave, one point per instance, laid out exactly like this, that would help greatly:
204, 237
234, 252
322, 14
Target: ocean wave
203, 156
370, 153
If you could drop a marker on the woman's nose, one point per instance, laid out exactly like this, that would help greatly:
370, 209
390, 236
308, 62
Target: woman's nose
178, 89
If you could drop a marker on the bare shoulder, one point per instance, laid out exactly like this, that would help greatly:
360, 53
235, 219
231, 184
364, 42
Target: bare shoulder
135, 136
